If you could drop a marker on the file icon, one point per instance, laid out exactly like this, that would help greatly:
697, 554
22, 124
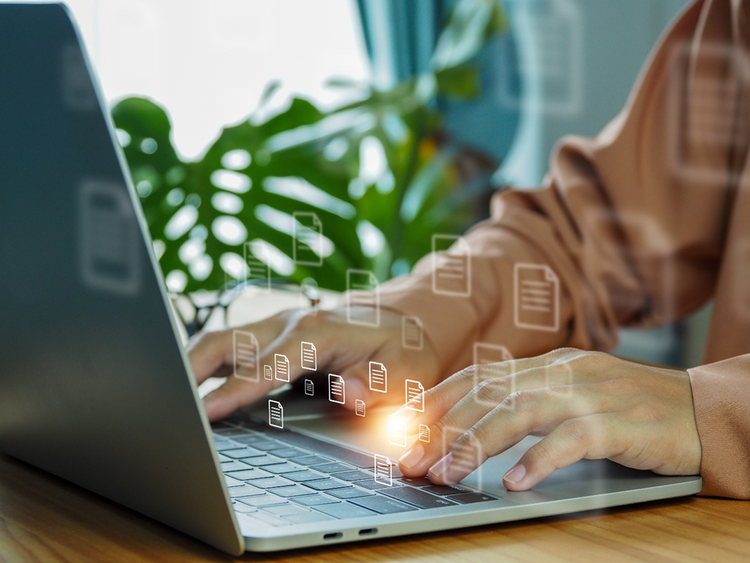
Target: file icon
490, 353
275, 414
451, 266
360, 407
536, 297
257, 263
336, 389
309, 356
412, 333
362, 290
308, 239
309, 388
267, 373
378, 377
396, 431
281, 363
383, 470
246, 365
424, 433
486, 360
414, 391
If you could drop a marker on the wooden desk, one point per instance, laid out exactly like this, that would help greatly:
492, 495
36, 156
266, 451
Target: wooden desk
43, 518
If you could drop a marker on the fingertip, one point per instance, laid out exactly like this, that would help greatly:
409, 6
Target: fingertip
517, 478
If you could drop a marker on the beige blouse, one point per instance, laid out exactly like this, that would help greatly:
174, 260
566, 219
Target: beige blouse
635, 228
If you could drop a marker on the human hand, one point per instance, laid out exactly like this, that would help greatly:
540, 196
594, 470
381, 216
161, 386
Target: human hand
587, 405
343, 349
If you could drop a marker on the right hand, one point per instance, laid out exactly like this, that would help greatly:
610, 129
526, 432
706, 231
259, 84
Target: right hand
343, 349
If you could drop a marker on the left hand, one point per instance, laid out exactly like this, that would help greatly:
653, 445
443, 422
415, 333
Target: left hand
587, 405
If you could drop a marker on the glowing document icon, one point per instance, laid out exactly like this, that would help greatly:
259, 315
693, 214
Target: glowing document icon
378, 377
360, 407
309, 388
309, 356
275, 414
490, 353
308, 239
383, 470
257, 263
415, 392
246, 351
537, 297
281, 363
412, 334
362, 298
268, 373
424, 433
451, 266
396, 431
336, 389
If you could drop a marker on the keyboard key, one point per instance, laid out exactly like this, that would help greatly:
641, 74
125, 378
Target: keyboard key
447, 489
269, 445
231, 482
350, 492
307, 518
242, 507
285, 510
243, 491
283, 468
267, 519
262, 500
224, 459
302, 476
469, 498
359, 475
344, 510
314, 500
417, 481
333, 467
290, 452
249, 438
375, 486
227, 445
241, 453
417, 497
271, 482
250, 474
291, 491
262, 461
326, 484
230, 431
309, 460
382, 505
234, 466
326, 449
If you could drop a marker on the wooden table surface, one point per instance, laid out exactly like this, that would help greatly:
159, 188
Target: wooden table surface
43, 518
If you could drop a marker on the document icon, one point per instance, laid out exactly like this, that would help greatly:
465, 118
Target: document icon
275, 414
281, 363
383, 470
246, 351
396, 431
378, 377
415, 391
309, 356
336, 389
308, 239
309, 388
536, 297
360, 407
490, 353
268, 373
411, 333
424, 433
451, 266
486, 360
362, 298
257, 264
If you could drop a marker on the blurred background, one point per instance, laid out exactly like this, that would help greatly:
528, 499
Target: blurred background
383, 120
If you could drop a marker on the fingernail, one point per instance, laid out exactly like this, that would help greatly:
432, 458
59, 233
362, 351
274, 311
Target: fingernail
441, 466
413, 456
515, 474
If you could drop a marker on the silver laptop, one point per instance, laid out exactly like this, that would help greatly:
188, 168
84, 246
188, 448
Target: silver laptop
96, 388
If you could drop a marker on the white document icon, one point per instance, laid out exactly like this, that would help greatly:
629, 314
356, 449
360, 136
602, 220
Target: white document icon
378, 377
275, 414
256, 261
336, 389
414, 390
536, 297
490, 353
281, 363
309, 356
451, 266
308, 239
309, 388
246, 352
360, 407
412, 333
396, 431
383, 470
424, 433
268, 373
363, 290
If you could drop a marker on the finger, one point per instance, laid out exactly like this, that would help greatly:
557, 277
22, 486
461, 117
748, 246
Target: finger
589, 437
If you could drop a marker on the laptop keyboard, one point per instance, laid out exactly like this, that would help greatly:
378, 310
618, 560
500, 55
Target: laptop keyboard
280, 478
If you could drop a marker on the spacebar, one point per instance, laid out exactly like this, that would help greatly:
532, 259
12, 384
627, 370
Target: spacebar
324, 448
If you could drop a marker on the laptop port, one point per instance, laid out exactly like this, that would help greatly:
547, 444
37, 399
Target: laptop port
368, 532
334, 536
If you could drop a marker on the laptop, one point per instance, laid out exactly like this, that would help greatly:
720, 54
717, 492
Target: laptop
96, 388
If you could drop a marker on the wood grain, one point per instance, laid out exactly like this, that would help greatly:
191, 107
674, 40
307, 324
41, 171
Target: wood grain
43, 518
